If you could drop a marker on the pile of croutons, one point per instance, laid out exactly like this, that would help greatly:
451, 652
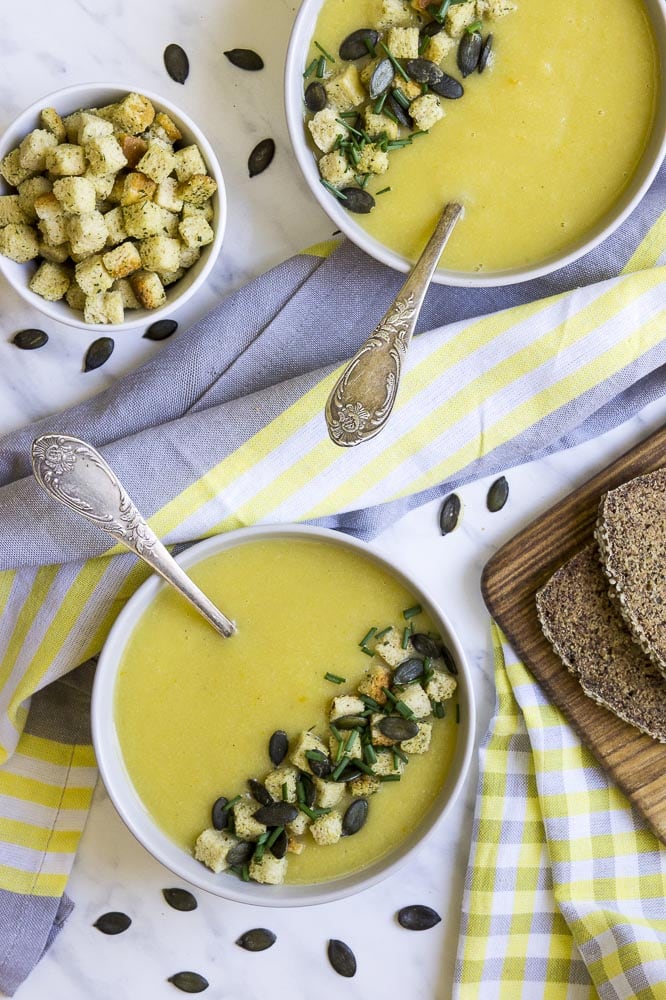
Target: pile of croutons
108, 207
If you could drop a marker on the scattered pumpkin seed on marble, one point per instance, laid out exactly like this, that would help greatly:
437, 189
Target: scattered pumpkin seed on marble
258, 939
418, 918
449, 513
261, 157
98, 353
189, 982
355, 817
498, 494
180, 899
30, 340
246, 59
176, 62
278, 746
342, 958
160, 330
113, 922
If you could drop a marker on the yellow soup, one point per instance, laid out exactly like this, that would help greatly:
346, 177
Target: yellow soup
540, 146
195, 712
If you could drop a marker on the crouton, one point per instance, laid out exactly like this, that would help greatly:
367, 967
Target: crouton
270, 870
28, 191
363, 786
327, 830
354, 751
52, 219
212, 848
104, 307
390, 648
55, 254
92, 277
307, 741
75, 297
204, 211
91, 127
246, 826
71, 124
117, 188
373, 160
12, 171
415, 698
169, 277
122, 260
52, 121
159, 253
345, 90
494, 9
167, 126
87, 233
395, 13
387, 764
295, 846
148, 289
438, 47
157, 162
459, 17
441, 686
127, 295
51, 281
11, 211
426, 111
136, 187
403, 43
298, 826
66, 160
105, 155
346, 704
334, 168
379, 124
76, 195
134, 114
115, 226
189, 162
410, 88
197, 189
133, 147
147, 219
421, 742
325, 129
378, 738
107, 112
188, 255
195, 232
19, 242
33, 149
165, 196
376, 679
365, 73
275, 780
102, 183
329, 793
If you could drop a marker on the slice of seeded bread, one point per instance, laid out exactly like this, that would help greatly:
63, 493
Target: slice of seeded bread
591, 638
631, 534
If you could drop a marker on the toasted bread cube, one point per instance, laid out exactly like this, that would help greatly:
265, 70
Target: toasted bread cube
117, 188
160, 253
376, 679
107, 112
87, 233
168, 126
395, 13
346, 704
376, 125
51, 281
365, 73
378, 738
270, 870
12, 171
212, 848
115, 226
426, 111
11, 211
410, 88
66, 160
325, 129
76, 297
133, 114
147, 219
195, 232
345, 91
298, 826
105, 155
127, 295
165, 195
189, 162
53, 221
414, 697
102, 183
30, 190
133, 147
71, 123
364, 786
374, 160
441, 686
52, 121
459, 17
197, 189
148, 289
327, 830
438, 47
157, 162
386, 764
329, 793
494, 9
92, 127
57, 255
76, 195
308, 741
390, 648
354, 752
170, 277
136, 187
92, 277
204, 211
421, 742
123, 260
188, 256
105, 307
334, 168
33, 149
295, 846
247, 827
19, 242
274, 781
403, 43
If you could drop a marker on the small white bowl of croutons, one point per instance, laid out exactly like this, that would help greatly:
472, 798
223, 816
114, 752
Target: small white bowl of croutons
112, 206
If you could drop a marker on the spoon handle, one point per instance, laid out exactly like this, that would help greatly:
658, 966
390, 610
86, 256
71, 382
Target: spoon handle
363, 397
75, 473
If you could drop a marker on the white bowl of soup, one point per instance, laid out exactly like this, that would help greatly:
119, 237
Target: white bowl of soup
549, 148
183, 718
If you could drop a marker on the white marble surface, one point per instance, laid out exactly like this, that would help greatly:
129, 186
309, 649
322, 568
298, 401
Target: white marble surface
45, 46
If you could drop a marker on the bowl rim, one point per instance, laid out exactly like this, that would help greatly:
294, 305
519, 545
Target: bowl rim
146, 317
137, 819
653, 154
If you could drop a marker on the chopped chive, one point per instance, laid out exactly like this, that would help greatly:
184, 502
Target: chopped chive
370, 754
235, 870
285, 792
398, 143
384, 631
274, 836
340, 752
474, 26
245, 873
364, 649
424, 89
334, 678
372, 51
349, 114
389, 777
336, 732
389, 694
362, 184
412, 612
421, 131
354, 131
310, 69
367, 713
323, 51
396, 64
438, 710
423, 43
401, 98
401, 754
306, 809
406, 635
340, 768
352, 154
370, 702
379, 103
263, 838
300, 791
315, 755
383, 191
368, 636
351, 740
404, 710
321, 67
333, 190
259, 852
389, 114
362, 766
458, 713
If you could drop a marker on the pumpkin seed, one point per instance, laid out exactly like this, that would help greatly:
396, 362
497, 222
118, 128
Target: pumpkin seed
180, 899
449, 662
381, 78
396, 108
315, 97
351, 722
279, 845
424, 71
448, 87
320, 764
397, 729
30, 340
113, 922
98, 353
261, 157
431, 29
449, 513
161, 330
260, 792
356, 45
498, 494
276, 814
418, 918
426, 646
309, 789
278, 745
258, 939
355, 817
469, 52
408, 671
485, 53
176, 62
358, 201
342, 958
219, 814
240, 854
245, 59
350, 773
189, 982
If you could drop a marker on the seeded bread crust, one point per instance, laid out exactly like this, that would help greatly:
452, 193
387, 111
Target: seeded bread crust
589, 635
631, 534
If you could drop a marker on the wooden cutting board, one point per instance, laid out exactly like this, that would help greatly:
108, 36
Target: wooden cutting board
509, 584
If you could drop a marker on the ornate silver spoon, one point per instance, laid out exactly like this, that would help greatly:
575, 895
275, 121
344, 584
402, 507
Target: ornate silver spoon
75, 473
363, 397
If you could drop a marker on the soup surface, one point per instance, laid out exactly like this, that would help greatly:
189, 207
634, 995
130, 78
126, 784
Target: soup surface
541, 145
195, 712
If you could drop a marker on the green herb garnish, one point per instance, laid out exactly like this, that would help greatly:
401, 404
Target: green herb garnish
412, 612
384, 631
370, 703
457, 713
274, 836
333, 190
370, 754
367, 637
389, 777
311, 68
285, 792
404, 710
245, 873
401, 98
406, 636
438, 709
472, 28
396, 64
334, 678
321, 67
379, 103
323, 51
